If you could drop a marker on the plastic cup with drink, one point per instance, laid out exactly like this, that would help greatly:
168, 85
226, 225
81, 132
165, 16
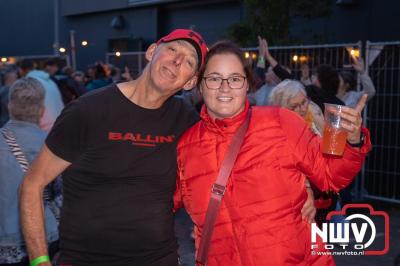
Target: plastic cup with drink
334, 136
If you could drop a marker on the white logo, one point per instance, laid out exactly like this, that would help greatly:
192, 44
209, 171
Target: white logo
363, 231
340, 233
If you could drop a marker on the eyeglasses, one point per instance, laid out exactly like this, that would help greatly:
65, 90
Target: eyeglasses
234, 82
298, 106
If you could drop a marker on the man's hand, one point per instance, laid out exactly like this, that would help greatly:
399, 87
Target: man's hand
308, 211
352, 119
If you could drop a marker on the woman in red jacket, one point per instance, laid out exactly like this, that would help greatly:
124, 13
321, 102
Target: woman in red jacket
259, 222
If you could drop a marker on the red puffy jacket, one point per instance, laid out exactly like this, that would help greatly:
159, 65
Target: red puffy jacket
259, 222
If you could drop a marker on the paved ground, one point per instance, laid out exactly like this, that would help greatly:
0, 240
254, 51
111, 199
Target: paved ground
183, 229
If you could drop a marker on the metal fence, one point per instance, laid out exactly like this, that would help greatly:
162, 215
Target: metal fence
380, 177
381, 173
338, 55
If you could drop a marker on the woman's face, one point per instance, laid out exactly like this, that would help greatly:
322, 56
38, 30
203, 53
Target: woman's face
226, 100
299, 104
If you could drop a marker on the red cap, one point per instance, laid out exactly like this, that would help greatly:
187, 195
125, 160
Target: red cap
192, 37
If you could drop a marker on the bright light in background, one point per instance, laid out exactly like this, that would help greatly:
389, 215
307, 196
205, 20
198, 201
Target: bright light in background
4, 59
62, 50
295, 58
246, 55
303, 58
355, 52
118, 54
253, 55
84, 43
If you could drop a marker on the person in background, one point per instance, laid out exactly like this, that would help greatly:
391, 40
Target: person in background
348, 87
324, 82
324, 87
79, 78
9, 75
26, 107
291, 94
68, 87
98, 77
260, 221
115, 74
127, 75
53, 101
275, 73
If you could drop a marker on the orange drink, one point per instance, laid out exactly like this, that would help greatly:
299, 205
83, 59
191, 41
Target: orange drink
334, 137
334, 140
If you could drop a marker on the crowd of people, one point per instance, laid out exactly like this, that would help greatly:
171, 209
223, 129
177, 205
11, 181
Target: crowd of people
130, 152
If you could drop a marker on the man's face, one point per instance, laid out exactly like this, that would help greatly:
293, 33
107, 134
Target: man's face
173, 66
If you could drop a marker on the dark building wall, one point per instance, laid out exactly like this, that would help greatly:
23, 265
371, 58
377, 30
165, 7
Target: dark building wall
96, 29
372, 20
211, 20
27, 27
79, 7
76, 7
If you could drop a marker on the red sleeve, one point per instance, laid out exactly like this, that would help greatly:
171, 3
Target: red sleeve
324, 171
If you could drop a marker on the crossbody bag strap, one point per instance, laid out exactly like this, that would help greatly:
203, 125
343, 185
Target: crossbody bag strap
15, 149
218, 190
20, 156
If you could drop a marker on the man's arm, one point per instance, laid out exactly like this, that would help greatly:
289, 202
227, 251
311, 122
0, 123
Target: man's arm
44, 169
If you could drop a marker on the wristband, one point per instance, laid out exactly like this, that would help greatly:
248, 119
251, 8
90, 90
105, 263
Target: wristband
39, 260
359, 144
261, 60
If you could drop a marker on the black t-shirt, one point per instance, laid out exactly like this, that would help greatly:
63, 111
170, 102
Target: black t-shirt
118, 190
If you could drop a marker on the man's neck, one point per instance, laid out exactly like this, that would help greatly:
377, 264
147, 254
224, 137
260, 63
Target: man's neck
143, 93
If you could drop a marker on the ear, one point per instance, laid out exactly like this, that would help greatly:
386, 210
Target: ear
41, 111
191, 83
247, 86
151, 51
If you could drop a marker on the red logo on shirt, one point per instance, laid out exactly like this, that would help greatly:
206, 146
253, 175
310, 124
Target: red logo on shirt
139, 139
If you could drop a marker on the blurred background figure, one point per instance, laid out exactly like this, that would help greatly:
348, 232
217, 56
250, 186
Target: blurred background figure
270, 76
348, 86
98, 77
80, 79
53, 101
291, 95
324, 87
26, 107
8, 76
67, 86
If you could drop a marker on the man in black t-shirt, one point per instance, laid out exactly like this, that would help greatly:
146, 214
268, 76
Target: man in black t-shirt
116, 149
